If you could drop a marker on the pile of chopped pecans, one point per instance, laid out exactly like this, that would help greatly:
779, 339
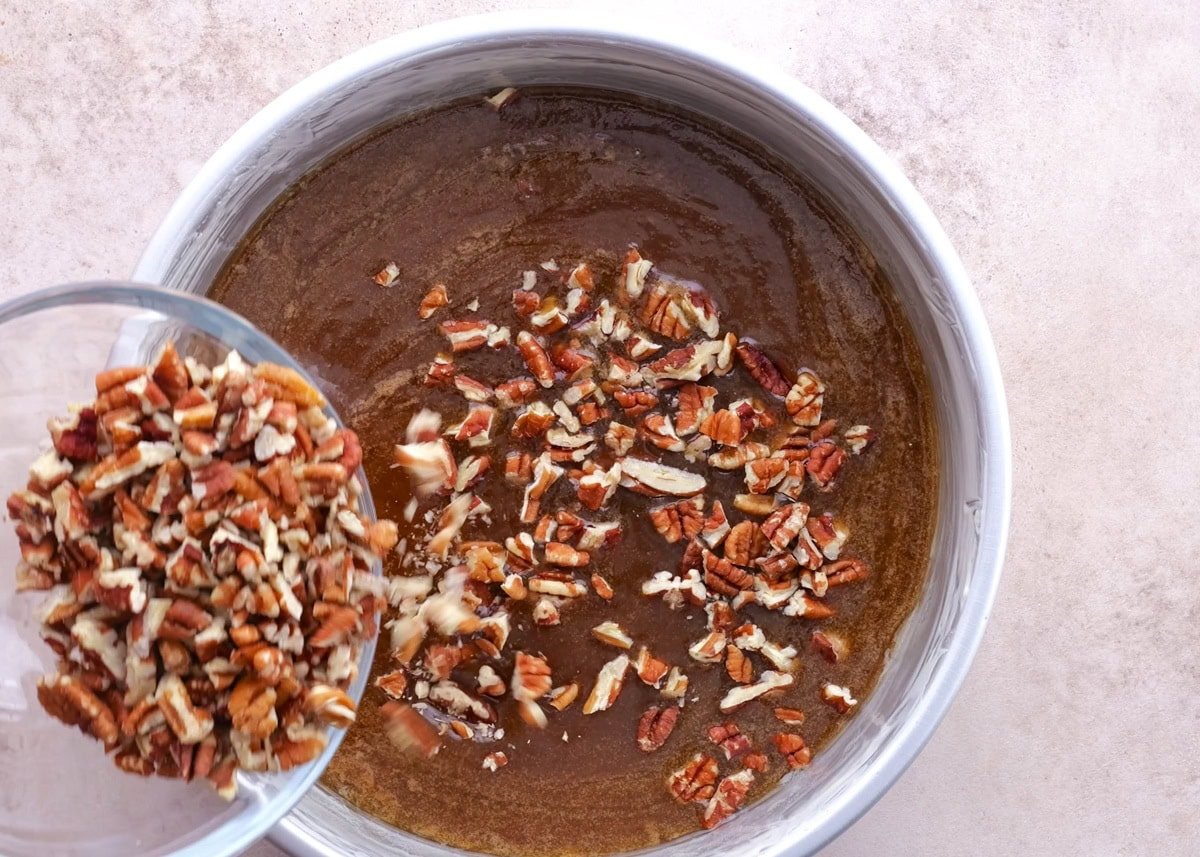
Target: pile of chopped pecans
613, 397
208, 568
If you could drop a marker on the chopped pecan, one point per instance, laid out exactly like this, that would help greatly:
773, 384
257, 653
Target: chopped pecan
723, 577
695, 407
471, 389
763, 474
762, 368
635, 402
525, 302
465, 335
655, 727
793, 749
846, 571
838, 698
755, 762
649, 669
828, 534
387, 275
738, 665
730, 794
830, 646
789, 716
636, 270
393, 683
408, 730
676, 684
784, 524
679, 520
602, 587
768, 682
536, 358
619, 438
658, 431
518, 391
804, 606
858, 438
561, 554
824, 463
675, 590
494, 761
612, 634
805, 399
531, 677
68, 699
655, 479
730, 739
716, 527
695, 781
710, 649
724, 427
533, 421
608, 685
561, 697
434, 299
758, 505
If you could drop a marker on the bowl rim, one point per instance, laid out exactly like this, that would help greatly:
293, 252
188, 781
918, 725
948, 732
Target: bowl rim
233, 836
865, 157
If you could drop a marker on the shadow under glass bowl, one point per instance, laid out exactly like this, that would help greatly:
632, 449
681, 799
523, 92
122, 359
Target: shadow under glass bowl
431, 66
59, 793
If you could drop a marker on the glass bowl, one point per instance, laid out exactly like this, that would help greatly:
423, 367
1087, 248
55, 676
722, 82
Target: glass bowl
59, 793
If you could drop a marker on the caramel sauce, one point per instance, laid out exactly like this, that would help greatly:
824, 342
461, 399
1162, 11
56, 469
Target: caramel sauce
471, 197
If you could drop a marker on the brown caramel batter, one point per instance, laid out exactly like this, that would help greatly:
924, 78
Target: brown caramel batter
471, 198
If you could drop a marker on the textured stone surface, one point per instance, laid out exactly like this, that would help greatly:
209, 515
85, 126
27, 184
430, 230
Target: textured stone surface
1056, 141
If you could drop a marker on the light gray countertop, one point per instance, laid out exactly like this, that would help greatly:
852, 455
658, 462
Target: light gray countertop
1057, 142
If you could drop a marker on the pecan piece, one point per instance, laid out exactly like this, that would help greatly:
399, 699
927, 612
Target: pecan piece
650, 669
536, 358
763, 474
724, 427
762, 368
828, 534
784, 524
636, 269
738, 665
858, 438
408, 730
695, 781
730, 794
730, 739
434, 299
793, 749
805, 399
846, 571
679, 520
830, 646
635, 402
824, 463
608, 685
723, 577
789, 716
561, 697
767, 682
654, 479
602, 587
465, 335
655, 727
612, 634
838, 698
564, 555
68, 699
